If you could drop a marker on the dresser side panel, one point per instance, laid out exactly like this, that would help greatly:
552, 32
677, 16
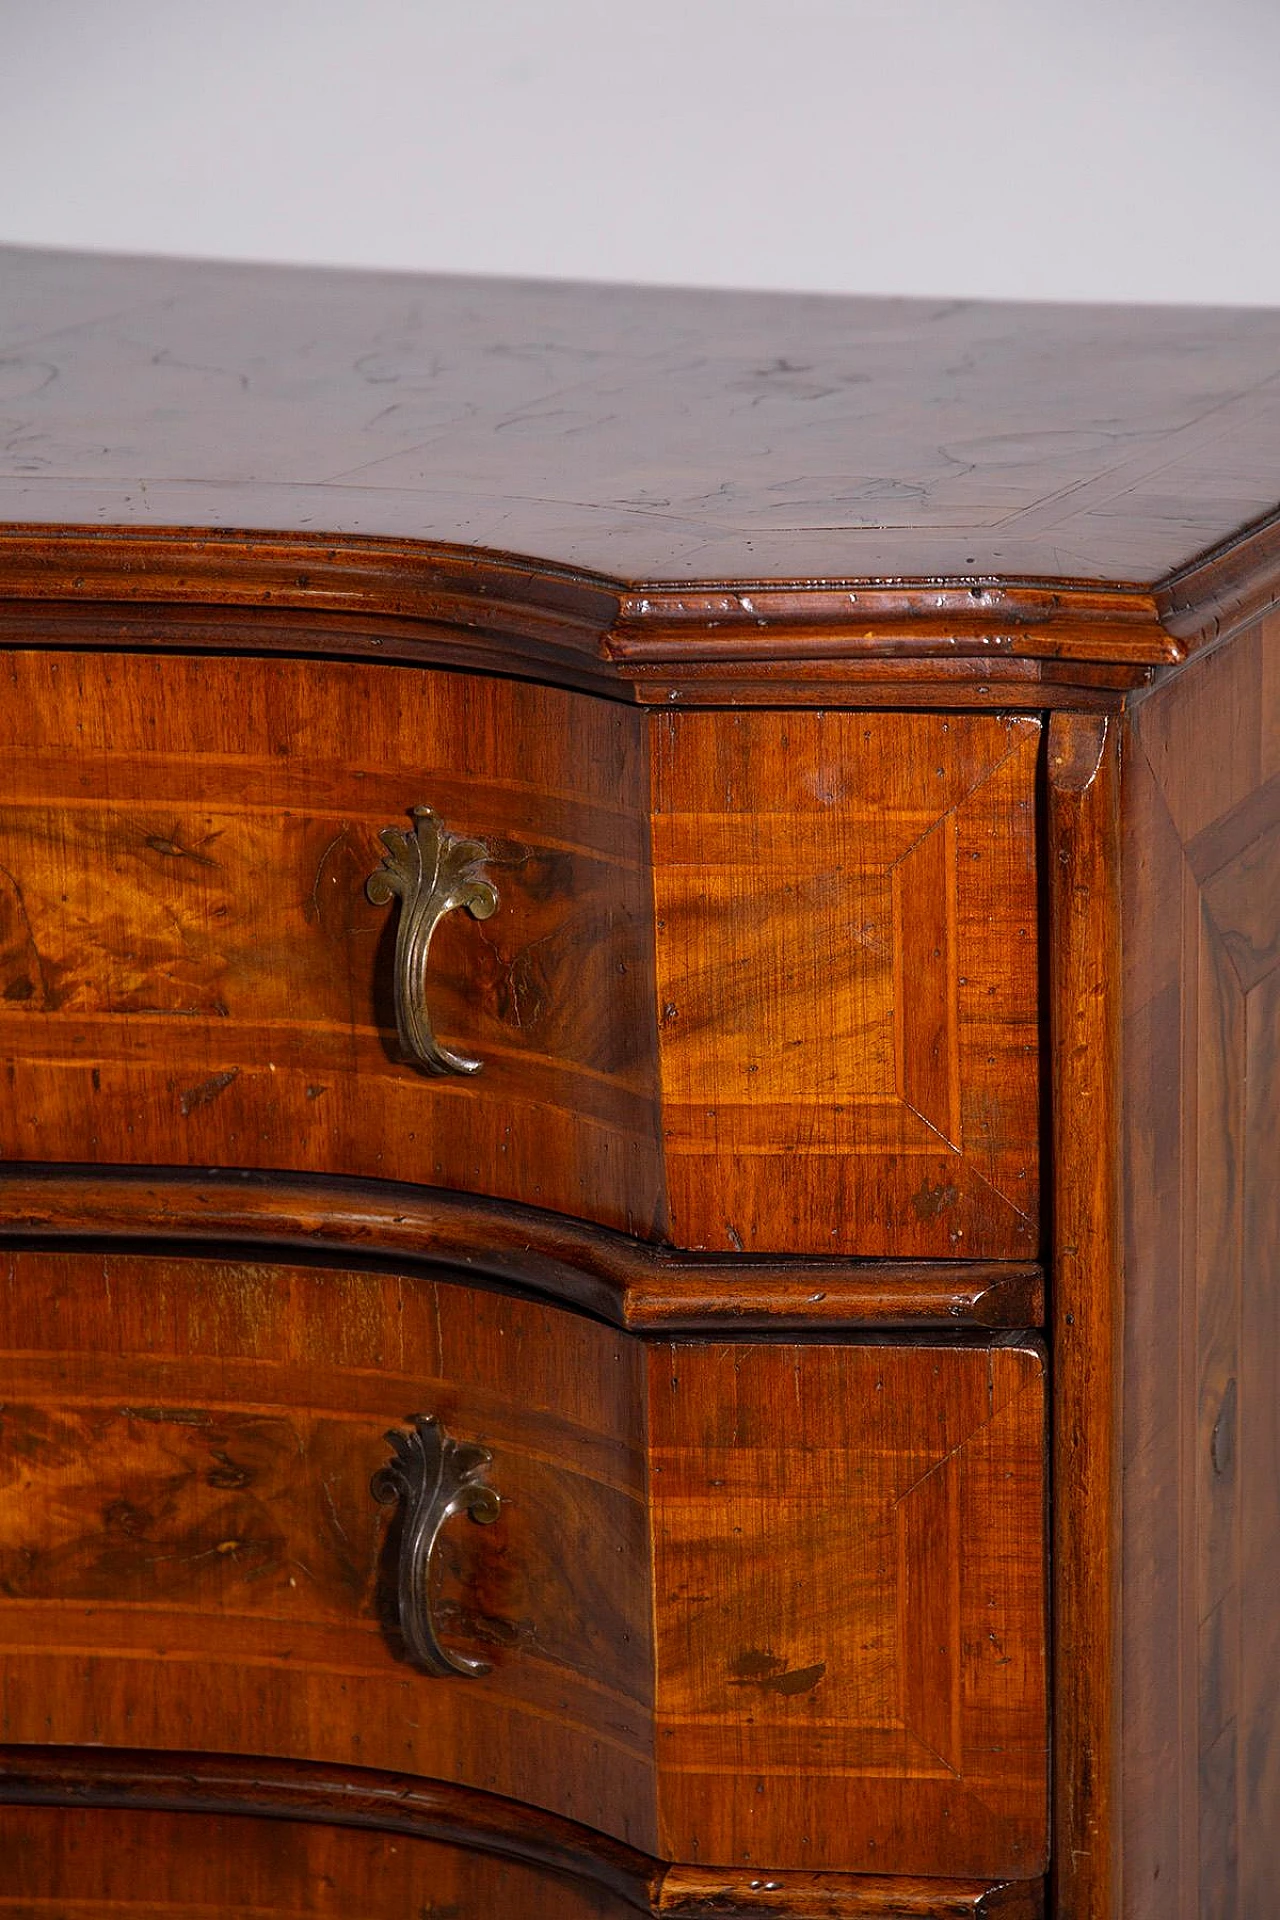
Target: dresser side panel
1201, 1455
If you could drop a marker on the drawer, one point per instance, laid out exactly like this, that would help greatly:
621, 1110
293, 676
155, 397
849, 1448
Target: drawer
193, 973
755, 982
740, 1603
191, 1556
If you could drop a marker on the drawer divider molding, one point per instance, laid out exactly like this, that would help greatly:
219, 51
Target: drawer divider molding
633, 1285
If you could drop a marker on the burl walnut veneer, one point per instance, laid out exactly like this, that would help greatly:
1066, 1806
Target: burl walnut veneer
640, 997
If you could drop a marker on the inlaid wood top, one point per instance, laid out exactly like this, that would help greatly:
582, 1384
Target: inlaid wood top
648, 437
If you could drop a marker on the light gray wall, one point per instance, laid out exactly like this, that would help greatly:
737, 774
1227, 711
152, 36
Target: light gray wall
1100, 149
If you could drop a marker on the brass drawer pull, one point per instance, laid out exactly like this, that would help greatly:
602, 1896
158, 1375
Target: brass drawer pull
436, 1477
433, 871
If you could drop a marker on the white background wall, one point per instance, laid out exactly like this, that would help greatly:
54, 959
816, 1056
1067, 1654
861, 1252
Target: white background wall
1102, 149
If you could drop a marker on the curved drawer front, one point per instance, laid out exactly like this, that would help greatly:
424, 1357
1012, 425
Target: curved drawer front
192, 972
842, 1548
191, 1556
94, 1863
754, 982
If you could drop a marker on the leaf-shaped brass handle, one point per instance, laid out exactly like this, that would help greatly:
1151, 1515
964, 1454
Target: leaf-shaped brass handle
435, 1477
433, 871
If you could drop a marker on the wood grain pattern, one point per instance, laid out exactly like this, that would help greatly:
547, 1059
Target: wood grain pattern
626, 1282
428, 606
846, 968
190, 1555
479, 1823
190, 971
79, 1863
847, 981
762, 1015
693, 1893
849, 1582
654, 435
1086, 1310
1202, 1355
197, 605
291, 1791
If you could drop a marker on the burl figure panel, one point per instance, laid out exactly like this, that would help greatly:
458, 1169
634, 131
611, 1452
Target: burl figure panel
191, 1556
191, 971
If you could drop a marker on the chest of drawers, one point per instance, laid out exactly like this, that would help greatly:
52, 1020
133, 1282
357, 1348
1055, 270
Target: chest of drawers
639, 1183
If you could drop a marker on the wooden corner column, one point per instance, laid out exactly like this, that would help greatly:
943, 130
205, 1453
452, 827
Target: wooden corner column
1082, 871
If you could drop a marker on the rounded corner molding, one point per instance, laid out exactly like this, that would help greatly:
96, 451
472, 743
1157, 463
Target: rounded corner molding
441, 603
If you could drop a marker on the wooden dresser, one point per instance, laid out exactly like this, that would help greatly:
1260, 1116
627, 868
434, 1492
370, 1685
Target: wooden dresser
640, 991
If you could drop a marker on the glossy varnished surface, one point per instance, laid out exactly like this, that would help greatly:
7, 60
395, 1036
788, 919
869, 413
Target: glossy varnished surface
397, 1807
93, 1864
757, 984
849, 1584
192, 971
769, 992
190, 1555
124, 1783
1201, 1467
847, 981
84, 1863
630, 1283
994, 648
847, 1549
647, 434
1083, 881
701, 1893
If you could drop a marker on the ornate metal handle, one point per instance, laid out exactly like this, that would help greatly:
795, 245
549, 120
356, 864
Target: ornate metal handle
435, 1477
433, 871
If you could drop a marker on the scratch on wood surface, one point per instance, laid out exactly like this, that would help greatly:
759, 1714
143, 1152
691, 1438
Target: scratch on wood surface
207, 1091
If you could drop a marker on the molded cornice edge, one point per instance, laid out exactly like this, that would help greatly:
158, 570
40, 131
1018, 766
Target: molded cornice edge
504, 612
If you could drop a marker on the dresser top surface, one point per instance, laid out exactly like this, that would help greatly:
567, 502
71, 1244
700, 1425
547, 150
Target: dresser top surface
642, 434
